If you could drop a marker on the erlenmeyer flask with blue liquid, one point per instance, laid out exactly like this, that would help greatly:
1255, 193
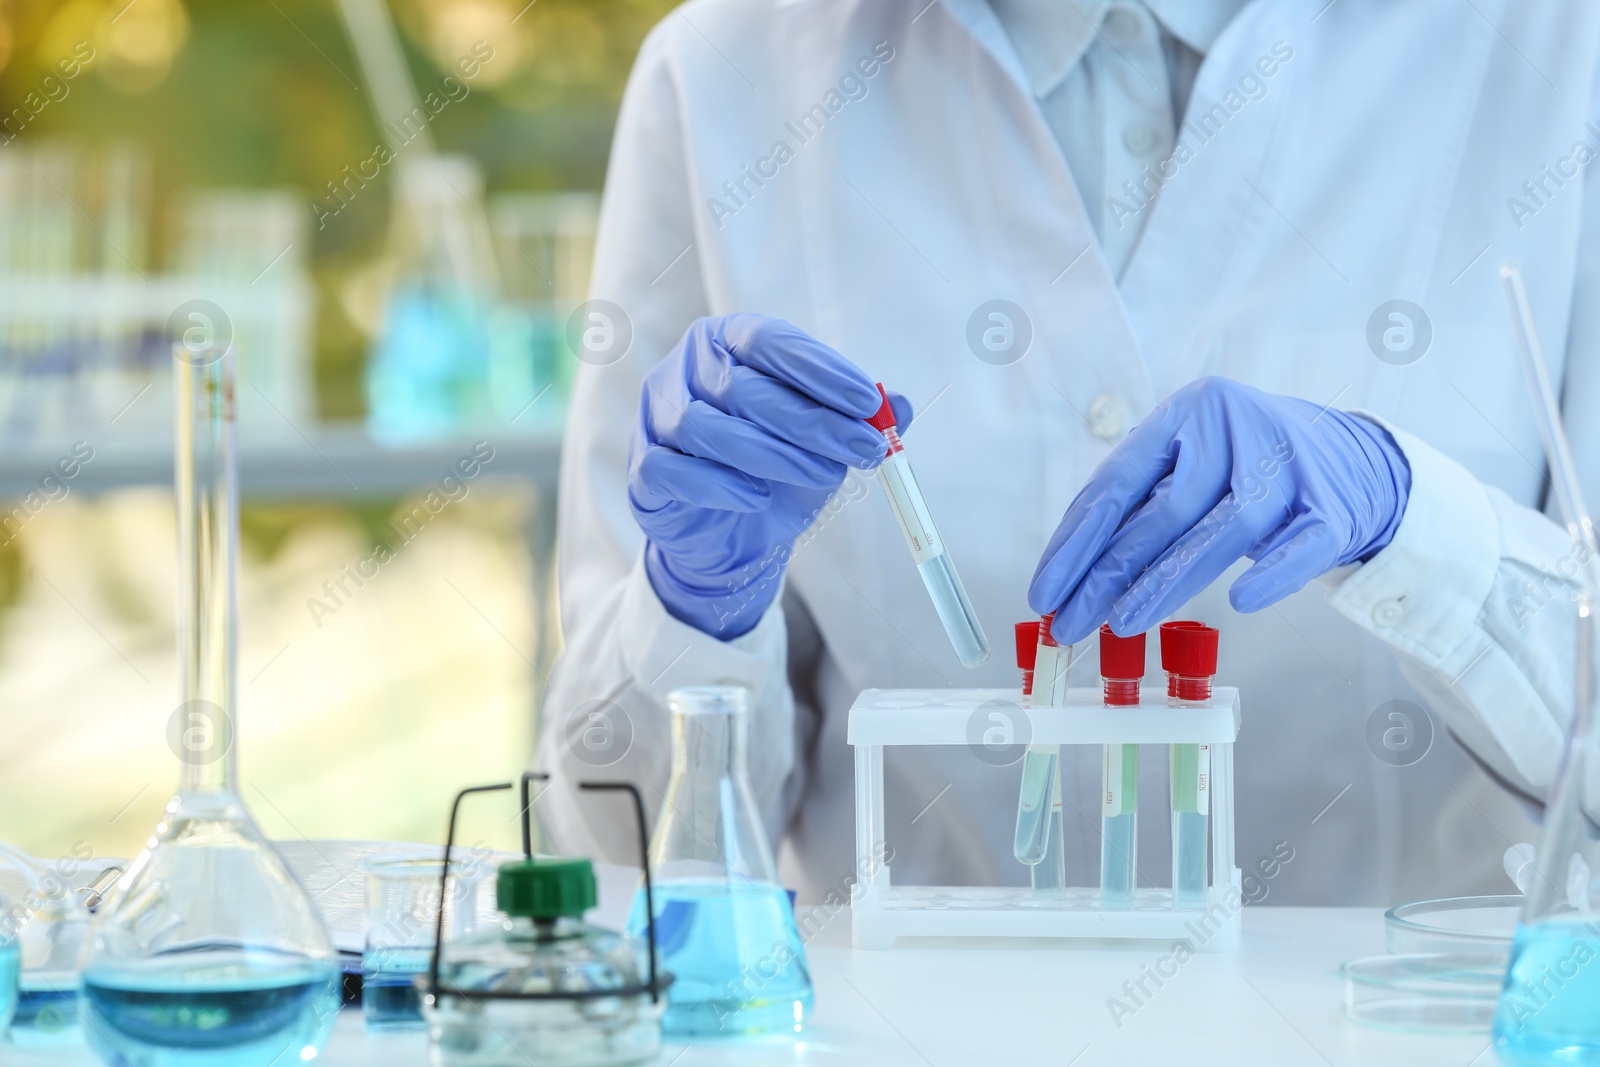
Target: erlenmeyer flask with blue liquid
725, 926
1549, 1011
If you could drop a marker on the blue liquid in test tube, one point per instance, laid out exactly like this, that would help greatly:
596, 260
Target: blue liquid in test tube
927, 547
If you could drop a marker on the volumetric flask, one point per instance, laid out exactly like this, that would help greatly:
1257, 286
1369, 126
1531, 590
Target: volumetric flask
725, 926
207, 951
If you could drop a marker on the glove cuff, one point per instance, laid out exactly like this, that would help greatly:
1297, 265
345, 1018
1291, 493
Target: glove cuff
1391, 476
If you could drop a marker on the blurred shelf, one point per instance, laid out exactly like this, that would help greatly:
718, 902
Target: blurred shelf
327, 461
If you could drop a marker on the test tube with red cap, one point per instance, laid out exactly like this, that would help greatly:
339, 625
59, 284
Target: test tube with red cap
1189, 656
1121, 668
927, 547
1040, 795
1040, 841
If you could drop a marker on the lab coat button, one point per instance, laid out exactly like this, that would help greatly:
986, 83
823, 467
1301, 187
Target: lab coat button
1122, 22
1138, 138
1387, 612
1108, 417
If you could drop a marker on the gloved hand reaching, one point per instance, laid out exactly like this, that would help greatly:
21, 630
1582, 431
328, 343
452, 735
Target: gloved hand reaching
1218, 471
744, 432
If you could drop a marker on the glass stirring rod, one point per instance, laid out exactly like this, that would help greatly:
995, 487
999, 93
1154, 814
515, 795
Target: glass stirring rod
927, 548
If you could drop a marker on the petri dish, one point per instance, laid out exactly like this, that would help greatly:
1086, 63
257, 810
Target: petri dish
1427, 993
1463, 926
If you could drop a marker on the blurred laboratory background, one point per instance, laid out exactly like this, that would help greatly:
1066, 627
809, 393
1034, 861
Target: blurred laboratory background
389, 210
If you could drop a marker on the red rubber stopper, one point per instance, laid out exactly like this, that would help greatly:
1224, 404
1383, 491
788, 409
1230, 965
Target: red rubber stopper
1027, 644
883, 421
1044, 630
1121, 657
1189, 649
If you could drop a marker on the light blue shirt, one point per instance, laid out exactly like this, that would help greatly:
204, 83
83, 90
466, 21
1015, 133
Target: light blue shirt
1112, 78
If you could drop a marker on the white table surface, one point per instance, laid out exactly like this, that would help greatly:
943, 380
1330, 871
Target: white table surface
966, 1002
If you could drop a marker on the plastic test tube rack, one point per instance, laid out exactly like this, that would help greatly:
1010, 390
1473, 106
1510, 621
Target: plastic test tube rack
882, 911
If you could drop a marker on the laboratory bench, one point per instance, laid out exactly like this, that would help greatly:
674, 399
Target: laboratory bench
973, 1003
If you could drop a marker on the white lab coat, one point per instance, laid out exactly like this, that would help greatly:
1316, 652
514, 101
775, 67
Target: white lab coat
1385, 159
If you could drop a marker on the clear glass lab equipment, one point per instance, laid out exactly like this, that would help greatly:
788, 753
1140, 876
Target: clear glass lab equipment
46, 926
403, 900
430, 372
725, 927
1547, 1011
1189, 656
1121, 668
927, 547
208, 951
543, 988
546, 948
10, 967
1047, 868
1454, 926
1040, 834
1422, 993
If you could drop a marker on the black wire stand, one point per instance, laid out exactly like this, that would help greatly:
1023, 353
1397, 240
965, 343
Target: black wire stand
658, 982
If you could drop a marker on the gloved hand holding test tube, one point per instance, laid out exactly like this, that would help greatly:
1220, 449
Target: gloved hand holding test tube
927, 547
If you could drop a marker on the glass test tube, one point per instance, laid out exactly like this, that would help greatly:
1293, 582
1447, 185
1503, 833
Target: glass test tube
927, 547
1039, 827
1189, 656
1047, 871
1121, 668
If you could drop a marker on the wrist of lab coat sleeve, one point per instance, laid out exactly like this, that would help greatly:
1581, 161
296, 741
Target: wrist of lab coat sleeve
1424, 592
661, 653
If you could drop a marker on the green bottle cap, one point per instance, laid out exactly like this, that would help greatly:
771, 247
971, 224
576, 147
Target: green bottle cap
552, 888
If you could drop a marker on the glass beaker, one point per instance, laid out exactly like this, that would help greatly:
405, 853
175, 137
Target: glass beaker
402, 909
45, 927
1549, 1010
208, 951
725, 927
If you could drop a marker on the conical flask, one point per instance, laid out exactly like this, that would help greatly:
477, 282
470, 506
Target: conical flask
725, 927
207, 951
1549, 1010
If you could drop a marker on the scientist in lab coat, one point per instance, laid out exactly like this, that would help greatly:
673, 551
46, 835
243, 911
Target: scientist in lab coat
1112, 255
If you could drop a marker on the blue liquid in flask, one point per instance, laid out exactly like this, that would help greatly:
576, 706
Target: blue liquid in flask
1550, 1010
225, 1007
47, 1013
721, 942
10, 968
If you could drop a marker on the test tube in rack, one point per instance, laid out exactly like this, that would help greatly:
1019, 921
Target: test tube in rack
1121, 668
1189, 656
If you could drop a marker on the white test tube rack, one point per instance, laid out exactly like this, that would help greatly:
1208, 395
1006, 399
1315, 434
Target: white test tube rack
881, 912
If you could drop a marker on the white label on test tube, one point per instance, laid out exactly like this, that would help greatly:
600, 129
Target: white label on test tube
916, 523
1202, 780
1112, 776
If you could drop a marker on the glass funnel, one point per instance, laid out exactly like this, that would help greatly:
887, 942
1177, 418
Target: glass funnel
207, 950
725, 926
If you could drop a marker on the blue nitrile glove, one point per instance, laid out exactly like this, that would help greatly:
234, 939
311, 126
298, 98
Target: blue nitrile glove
1219, 470
744, 432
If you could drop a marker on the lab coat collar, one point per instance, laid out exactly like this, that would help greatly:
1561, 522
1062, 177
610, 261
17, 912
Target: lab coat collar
1197, 23
1050, 37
